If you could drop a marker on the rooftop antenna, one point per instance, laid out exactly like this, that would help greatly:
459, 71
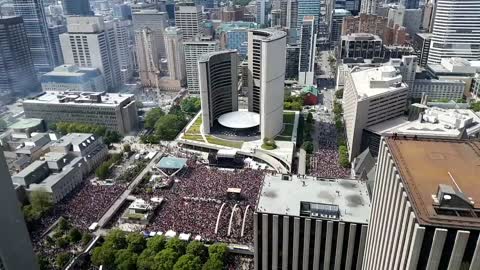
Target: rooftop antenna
453, 179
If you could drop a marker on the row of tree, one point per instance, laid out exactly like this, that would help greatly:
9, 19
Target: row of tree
103, 171
340, 127
307, 134
293, 103
109, 136
40, 203
131, 251
167, 126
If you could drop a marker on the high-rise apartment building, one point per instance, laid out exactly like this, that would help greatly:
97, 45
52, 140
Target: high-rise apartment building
266, 64
85, 107
188, 17
369, 7
54, 31
464, 40
310, 223
33, 14
425, 205
218, 85
370, 97
77, 7
308, 50
156, 21
175, 55
17, 73
91, 42
193, 50
16, 251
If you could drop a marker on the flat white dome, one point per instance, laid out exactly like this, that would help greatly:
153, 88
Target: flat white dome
239, 119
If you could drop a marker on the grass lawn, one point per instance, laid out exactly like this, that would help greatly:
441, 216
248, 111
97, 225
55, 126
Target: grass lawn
192, 137
268, 147
195, 127
215, 140
287, 130
289, 118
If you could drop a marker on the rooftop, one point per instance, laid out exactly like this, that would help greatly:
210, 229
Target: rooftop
77, 140
425, 164
269, 34
284, 197
102, 99
26, 123
361, 36
377, 81
70, 74
172, 163
239, 119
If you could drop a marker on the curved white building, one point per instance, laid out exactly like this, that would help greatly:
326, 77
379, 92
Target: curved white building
456, 30
266, 66
218, 85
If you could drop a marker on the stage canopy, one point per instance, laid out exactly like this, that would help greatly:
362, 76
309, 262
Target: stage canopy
172, 163
239, 120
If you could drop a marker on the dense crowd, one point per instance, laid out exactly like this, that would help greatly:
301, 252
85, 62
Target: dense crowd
83, 206
192, 204
324, 162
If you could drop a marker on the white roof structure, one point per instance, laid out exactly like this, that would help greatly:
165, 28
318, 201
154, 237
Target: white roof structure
239, 120
377, 81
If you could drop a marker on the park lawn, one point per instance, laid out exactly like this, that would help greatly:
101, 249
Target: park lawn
195, 127
289, 118
192, 137
215, 140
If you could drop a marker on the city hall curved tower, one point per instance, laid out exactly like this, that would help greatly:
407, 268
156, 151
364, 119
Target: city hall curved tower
218, 85
266, 75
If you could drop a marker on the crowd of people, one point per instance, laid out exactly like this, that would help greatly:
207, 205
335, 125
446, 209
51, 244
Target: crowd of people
193, 203
82, 207
324, 162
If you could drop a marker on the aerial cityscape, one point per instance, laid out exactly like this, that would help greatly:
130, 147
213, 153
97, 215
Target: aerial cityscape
240, 134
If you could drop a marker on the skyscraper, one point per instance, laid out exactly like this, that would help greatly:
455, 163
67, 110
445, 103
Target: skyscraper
337, 22
218, 85
156, 21
266, 65
369, 7
54, 31
175, 54
147, 61
307, 8
308, 49
455, 30
193, 51
125, 40
16, 250
77, 7
262, 11
33, 14
425, 205
188, 17
91, 42
17, 73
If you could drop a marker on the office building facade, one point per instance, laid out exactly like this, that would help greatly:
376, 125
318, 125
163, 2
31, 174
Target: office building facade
424, 206
17, 72
175, 55
77, 7
71, 77
156, 21
14, 234
188, 17
464, 42
308, 50
33, 14
365, 23
54, 32
266, 64
125, 39
291, 64
91, 42
218, 85
85, 107
193, 50
360, 45
371, 96
307, 8
148, 63
310, 223
421, 45
369, 7
336, 27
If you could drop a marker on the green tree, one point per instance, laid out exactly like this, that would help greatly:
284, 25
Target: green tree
218, 250
62, 259
309, 118
165, 259
198, 249
63, 224
156, 243
188, 262
102, 171
190, 105
152, 117
104, 255
127, 148
176, 244
43, 262
136, 242
475, 106
61, 243
177, 110
86, 238
117, 239
343, 156
168, 126
40, 202
74, 235
213, 263
125, 260
308, 147
339, 93
146, 260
